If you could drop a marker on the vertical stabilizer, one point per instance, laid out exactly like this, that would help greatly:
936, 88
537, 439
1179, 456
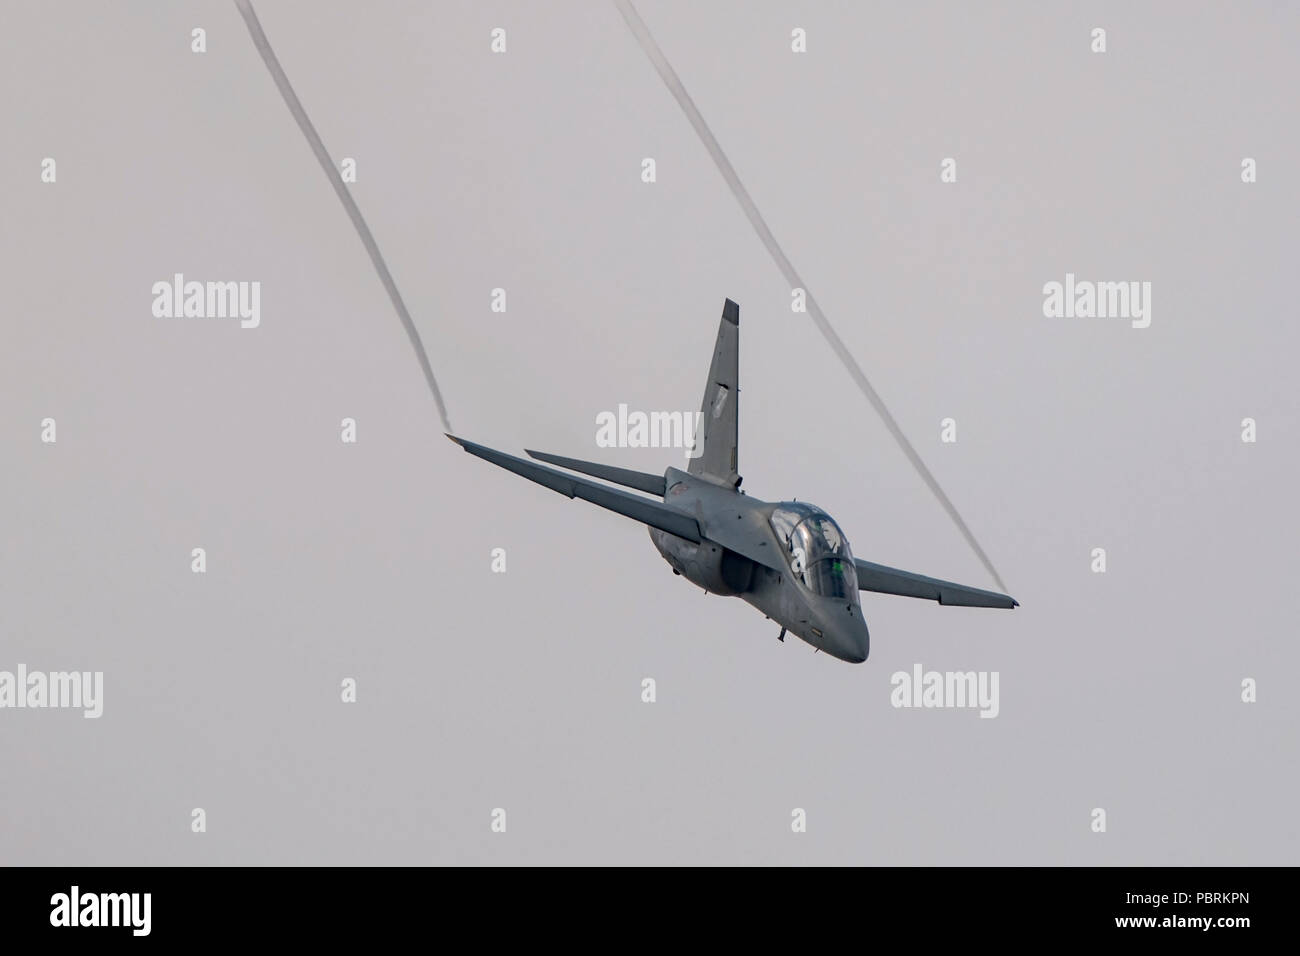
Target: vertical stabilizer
718, 419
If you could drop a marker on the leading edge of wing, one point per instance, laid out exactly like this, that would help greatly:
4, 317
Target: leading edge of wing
885, 580
653, 513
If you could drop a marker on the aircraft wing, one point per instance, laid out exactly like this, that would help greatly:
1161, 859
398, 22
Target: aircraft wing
877, 577
646, 510
748, 536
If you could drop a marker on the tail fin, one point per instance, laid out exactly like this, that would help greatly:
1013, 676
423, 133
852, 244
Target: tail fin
715, 449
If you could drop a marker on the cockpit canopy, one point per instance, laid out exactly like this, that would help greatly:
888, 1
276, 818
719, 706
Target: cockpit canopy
816, 549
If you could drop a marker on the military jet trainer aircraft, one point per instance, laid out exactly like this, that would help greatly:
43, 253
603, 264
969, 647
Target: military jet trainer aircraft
788, 559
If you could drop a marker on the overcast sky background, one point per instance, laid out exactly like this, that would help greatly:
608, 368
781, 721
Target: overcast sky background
522, 690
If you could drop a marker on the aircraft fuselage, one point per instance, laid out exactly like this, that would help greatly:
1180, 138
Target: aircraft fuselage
828, 618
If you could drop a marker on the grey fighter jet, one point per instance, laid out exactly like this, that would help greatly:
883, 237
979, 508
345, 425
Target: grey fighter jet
789, 559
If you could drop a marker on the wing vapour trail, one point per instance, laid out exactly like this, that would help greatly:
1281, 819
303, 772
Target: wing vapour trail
669, 76
332, 174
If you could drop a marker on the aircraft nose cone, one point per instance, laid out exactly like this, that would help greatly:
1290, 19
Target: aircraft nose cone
850, 640
859, 645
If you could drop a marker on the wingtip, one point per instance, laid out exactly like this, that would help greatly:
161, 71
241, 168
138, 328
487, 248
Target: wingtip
731, 312
458, 441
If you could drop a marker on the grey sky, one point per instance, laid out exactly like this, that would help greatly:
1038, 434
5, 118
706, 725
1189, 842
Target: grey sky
522, 690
